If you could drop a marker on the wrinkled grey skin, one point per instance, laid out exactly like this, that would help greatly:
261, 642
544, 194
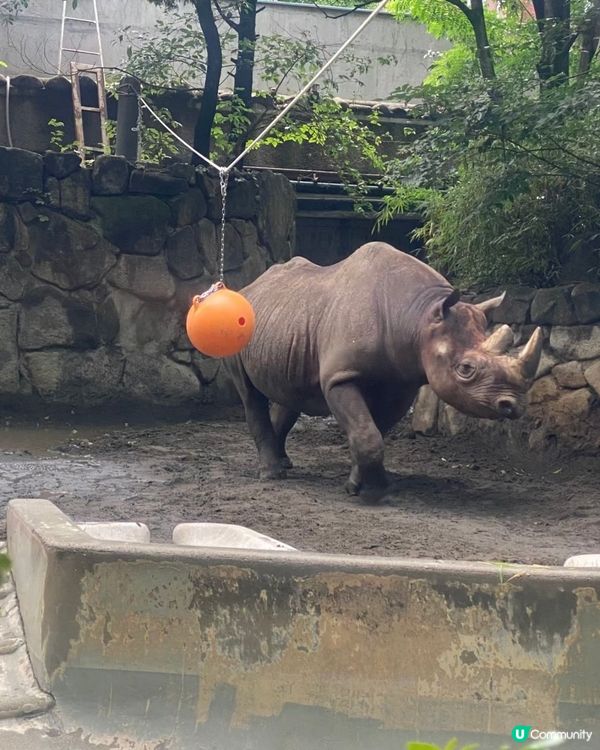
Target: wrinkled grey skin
357, 340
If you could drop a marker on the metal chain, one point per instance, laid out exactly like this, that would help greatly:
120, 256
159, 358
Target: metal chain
223, 180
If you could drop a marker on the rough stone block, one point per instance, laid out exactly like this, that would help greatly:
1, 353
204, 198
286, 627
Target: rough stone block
110, 175
75, 194
50, 318
250, 270
553, 307
148, 278
28, 213
206, 367
586, 301
234, 254
184, 356
210, 186
544, 389
156, 183
9, 354
569, 413
183, 171
74, 378
547, 362
592, 376
183, 257
242, 199
207, 243
61, 165
570, 375
21, 174
425, 415
188, 208
13, 232
159, 380
277, 215
248, 234
135, 224
69, 254
52, 190
451, 421
13, 278
515, 307
575, 342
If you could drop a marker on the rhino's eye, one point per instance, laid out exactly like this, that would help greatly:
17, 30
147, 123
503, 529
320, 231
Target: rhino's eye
466, 370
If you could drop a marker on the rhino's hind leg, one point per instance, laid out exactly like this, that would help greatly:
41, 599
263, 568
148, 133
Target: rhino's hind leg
256, 407
283, 419
348, 406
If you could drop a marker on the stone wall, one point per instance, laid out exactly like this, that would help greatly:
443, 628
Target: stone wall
564, 400
98, 268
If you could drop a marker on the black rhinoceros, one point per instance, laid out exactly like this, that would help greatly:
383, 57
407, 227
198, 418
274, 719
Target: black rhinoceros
357, 340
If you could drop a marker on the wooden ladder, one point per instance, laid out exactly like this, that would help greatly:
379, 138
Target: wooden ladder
76, 70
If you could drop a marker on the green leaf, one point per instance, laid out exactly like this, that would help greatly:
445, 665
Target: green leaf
4, 563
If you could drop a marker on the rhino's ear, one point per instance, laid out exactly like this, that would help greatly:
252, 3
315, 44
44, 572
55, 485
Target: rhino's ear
440, 310
491, 304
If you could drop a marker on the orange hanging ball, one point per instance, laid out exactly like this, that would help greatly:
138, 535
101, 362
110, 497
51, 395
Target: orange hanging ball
220, 322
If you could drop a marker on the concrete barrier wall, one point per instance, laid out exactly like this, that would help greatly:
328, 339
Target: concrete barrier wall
247, 649
31, 44
98, 268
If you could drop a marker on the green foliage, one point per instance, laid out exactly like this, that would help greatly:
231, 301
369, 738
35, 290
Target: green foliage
450, 745
173, 56
4, 564
328, 124
505, 170
453, 744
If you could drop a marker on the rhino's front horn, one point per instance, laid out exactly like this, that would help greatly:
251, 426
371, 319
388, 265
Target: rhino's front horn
529, 358
491, 304
499, 342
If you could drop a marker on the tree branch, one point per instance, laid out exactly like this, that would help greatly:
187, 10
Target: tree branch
347, 12
226, 17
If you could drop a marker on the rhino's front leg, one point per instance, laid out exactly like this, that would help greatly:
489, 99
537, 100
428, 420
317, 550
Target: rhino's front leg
368, 475
256, 407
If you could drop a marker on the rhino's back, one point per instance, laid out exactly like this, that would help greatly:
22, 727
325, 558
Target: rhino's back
306, 312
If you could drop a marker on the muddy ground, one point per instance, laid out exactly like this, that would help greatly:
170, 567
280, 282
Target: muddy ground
451, 498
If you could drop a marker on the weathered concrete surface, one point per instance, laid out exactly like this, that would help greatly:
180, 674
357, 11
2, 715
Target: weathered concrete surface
232, 649
20, 695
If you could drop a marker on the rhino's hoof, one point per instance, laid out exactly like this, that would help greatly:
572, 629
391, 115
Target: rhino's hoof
372, 495
351, 487
272, 472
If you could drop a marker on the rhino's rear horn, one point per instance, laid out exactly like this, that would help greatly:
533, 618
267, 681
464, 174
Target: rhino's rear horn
529, 358
500, 341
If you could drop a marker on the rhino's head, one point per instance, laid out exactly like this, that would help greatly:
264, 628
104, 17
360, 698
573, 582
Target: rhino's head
472, 372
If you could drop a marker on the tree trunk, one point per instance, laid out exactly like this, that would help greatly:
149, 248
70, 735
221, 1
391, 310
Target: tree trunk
590, 37
244, 64
484, 50
214, 64
554, 25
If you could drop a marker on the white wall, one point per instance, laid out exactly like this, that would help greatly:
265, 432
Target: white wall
31, 44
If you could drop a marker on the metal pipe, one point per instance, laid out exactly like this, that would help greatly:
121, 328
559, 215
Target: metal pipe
127, 119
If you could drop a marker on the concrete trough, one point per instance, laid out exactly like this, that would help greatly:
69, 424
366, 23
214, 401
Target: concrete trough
170, 647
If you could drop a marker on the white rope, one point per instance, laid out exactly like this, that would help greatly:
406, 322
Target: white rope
7, 108
224, 171
180, 139
317, 75
284, 111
